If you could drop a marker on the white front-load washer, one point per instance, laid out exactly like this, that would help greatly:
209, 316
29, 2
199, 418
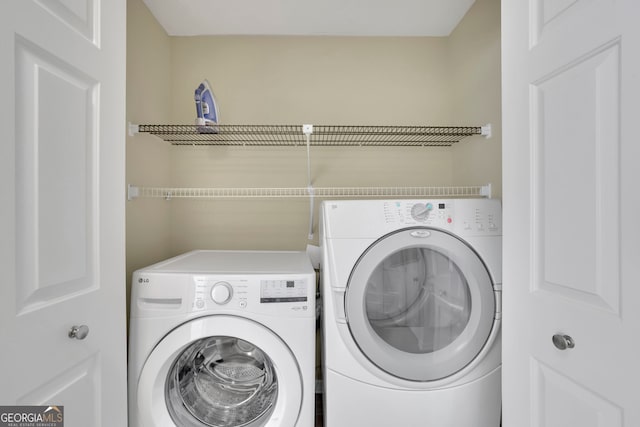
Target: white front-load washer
411, 312
223, 338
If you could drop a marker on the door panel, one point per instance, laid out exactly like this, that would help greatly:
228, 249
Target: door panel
80, 384
576, 181
559, 402
81, 15
62, 76
571, 98
56, 169
561, 29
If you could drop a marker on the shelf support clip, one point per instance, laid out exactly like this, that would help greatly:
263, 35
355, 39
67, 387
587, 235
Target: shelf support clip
133, 192
485, 191
486, 130
133, 129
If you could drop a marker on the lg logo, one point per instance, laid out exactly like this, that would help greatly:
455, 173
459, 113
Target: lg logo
143, 280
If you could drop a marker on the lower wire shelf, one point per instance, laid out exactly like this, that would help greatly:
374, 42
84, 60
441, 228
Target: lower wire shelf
134, 192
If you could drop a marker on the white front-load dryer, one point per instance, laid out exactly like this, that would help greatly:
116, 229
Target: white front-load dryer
411, 312
223, 338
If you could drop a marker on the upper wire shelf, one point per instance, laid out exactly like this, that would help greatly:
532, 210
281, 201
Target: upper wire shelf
315, 135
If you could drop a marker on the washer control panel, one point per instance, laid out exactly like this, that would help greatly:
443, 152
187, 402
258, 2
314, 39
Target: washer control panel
274, 291
258, 294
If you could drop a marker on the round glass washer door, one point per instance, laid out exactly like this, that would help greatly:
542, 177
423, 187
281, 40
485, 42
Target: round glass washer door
220, 371
221, 381
420, 304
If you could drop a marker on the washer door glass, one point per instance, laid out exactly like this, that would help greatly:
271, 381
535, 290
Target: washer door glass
221, 381
420, 304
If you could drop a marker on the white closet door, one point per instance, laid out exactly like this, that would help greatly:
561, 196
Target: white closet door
571, 102
62, 80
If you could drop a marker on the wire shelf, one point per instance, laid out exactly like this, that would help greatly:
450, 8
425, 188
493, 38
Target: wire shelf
301, 192
321, 135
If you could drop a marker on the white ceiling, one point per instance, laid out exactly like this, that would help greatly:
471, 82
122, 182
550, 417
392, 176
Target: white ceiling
309, 17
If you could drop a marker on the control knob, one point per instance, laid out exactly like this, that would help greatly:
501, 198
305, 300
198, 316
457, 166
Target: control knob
221, 293
420, 211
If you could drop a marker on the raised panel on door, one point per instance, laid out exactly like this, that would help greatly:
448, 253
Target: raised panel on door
79, 384
560, 402
576, 147
56, 209
80, 15
558, 26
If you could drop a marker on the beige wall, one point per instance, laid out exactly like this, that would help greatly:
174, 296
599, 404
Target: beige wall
148, 162
328, 80
474, 49
296, 80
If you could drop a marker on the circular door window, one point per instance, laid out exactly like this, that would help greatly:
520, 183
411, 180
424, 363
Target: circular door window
219, 371
221, 381
417, 300
420, 304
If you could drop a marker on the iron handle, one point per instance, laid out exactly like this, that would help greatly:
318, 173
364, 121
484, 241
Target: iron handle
563, 342
79, 332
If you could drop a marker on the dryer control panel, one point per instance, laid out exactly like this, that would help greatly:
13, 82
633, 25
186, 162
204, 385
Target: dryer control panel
366, 219
413, 212
459, 216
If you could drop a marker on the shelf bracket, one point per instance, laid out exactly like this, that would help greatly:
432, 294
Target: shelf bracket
307, 129
133, 129
485, 191
133, 192
486, 130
